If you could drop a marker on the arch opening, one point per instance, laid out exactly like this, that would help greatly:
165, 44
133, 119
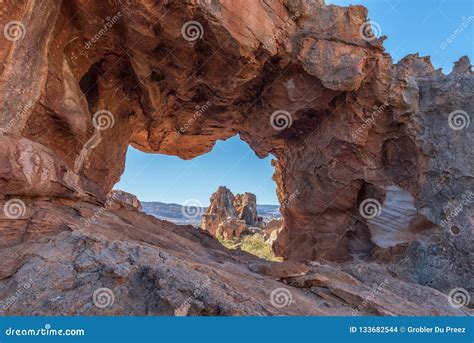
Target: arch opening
227, 192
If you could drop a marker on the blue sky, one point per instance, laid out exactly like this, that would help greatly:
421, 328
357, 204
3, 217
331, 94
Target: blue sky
170, 179
410, 25
422, 26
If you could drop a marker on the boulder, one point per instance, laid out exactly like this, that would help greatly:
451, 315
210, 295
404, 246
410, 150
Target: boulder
121, 198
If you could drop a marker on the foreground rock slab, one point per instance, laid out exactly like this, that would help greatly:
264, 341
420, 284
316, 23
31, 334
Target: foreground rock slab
78, 258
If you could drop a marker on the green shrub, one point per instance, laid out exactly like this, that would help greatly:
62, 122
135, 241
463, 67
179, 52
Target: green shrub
228, 243
253, 244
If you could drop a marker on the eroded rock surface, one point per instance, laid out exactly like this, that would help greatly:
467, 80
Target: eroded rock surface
128, 263
246, 207
124, 199
228, 216
81, 81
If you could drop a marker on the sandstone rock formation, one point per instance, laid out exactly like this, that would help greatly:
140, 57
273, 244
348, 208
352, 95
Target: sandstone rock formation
230, 228
123, 199
246, 207
272, 229
125, 262
221, 207
81, 81
228, 215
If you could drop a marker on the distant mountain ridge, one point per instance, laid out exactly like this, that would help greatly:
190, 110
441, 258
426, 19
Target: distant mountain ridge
174, 212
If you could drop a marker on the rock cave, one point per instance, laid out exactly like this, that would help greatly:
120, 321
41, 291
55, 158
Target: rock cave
296, 79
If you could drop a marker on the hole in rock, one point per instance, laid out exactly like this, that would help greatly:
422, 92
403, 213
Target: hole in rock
89, 84
228, 192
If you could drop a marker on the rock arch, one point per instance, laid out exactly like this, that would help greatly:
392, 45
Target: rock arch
86, 80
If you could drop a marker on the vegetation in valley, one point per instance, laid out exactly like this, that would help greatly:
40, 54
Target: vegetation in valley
253, 244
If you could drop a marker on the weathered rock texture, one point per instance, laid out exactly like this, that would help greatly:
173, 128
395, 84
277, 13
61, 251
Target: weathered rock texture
61, 252
221, 207
230, 228
81, 81
246, 207
228, 215
123, 199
